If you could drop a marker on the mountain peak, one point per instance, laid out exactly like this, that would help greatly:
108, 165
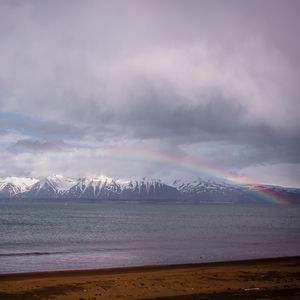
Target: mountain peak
23, 183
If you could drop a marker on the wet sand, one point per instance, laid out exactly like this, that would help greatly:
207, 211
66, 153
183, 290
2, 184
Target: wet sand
277, 278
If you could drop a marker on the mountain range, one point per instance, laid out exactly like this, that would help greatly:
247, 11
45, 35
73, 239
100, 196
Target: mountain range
105, 188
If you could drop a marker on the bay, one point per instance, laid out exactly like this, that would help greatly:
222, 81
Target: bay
46, 235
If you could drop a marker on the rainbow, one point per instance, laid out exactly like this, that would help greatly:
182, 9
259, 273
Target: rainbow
192, 165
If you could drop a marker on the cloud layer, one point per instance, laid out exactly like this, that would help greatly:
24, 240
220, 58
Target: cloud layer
213, 80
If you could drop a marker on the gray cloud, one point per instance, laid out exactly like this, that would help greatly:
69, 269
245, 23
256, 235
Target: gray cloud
216, 80
43, 128
36, 146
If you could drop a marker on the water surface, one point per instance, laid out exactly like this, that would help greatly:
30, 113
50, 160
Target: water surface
39, 235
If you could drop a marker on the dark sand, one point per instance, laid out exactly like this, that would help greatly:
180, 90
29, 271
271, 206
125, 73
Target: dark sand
277, 278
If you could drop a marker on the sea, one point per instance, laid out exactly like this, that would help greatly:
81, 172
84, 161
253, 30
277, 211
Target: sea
48, 235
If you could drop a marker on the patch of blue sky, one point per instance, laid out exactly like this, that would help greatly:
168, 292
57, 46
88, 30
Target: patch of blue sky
15, 117
28, 126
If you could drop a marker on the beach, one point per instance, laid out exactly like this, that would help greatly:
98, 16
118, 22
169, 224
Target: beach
273, 278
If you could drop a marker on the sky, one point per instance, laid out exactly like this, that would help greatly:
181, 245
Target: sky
93, 88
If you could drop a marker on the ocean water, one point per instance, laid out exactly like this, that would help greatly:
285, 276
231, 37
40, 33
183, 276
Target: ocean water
39, 235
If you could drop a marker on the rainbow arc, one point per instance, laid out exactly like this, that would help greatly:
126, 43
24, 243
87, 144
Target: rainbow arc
189, 164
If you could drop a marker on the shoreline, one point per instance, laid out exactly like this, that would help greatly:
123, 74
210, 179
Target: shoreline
240, 279
144, 268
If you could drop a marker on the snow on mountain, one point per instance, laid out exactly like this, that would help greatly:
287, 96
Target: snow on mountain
21, 184
201, 184
61, 183
102, 187
93, 187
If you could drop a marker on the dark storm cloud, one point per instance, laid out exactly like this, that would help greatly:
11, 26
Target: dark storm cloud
251, 155
219, 75
185, 123
218, 122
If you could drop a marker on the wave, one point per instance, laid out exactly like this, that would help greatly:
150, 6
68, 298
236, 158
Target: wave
73, 251
30, 253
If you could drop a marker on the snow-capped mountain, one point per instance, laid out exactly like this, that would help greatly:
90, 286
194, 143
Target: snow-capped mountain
199, 189
58, 186
11, 186
211, 189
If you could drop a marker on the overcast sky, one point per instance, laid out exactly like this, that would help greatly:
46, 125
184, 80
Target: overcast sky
214, 81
